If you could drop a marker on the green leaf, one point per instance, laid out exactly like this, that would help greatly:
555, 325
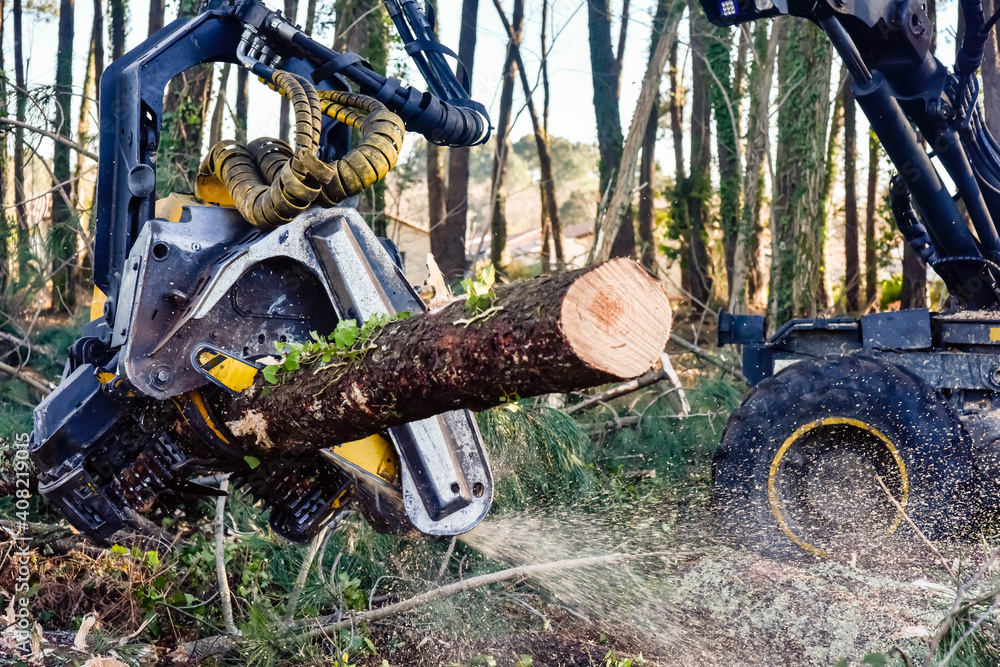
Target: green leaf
271, 374
252, 461
119, 549
153, 558
280, 345
345, 334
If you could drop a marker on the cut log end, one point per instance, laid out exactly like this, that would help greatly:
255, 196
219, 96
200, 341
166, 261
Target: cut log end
616, 318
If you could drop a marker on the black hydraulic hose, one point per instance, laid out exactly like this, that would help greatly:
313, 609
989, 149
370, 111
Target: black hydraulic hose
952, 155
970, 54
906, 219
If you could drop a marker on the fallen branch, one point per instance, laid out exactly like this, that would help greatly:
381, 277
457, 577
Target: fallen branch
652, 377
28, 378
709, 357
219, 645
220, 559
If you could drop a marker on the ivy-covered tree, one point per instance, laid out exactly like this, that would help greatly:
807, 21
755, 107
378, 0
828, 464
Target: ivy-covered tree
62, 236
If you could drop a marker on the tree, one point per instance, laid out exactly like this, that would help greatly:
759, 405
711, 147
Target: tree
448, 244
5, 263
797, 265
242, 104
215, 131
360, 28
20, 213
157, 11
119, 12
605, 67
498, 216
697, 185
97, 43
185, 109
852, 274
62, 237
991, 74
871, 257
291, 12
746, 262
435, 184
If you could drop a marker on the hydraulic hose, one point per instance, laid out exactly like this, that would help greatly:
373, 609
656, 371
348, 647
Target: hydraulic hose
270, 183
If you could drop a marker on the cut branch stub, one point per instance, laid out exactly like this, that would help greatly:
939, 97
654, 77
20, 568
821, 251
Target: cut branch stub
558, 333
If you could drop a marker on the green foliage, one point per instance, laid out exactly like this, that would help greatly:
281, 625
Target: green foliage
479, 294
345, 345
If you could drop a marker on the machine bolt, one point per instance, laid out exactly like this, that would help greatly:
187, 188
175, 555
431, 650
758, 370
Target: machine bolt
162, 376
178, 298
994, 376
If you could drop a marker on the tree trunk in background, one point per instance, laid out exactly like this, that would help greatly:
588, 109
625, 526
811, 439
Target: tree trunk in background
914, 288
727, 133
5, 260
62, 236
836, 124
448, 245
647, 165
498, 214
678, 204
83, 127
20, 212
548, 184
119, 9
698, 183
852, 271
242, 104
311, 16
97, 39
215, 133
435, 182
185, 111
746, 258
547, 230
284, 126
157, 12
991, 76
797, 273
871, 264
366, 36
604, 69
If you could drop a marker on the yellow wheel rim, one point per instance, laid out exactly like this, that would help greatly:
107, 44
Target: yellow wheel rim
772, 493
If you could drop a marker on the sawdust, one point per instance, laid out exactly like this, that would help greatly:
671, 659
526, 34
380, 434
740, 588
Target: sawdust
252, 423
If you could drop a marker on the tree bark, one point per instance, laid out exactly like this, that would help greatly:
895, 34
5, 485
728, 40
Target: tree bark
871, 264
725, 99
435, 184
215, 132
557, 333
157, 14
6, 265
97, 38
746, 260
62, 237
991, 76
698, 184
647, 189
621, 200
797, 267
284, 124
852, 271
448, 245
604, 69
20, 212
118, 11
498, 214
310, 16
242, 104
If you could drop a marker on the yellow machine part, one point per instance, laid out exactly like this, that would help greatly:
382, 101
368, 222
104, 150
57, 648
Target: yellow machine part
270, 183
373, 454
232, 373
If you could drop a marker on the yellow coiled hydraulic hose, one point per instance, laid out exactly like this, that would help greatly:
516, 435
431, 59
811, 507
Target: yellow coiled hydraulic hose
270, 183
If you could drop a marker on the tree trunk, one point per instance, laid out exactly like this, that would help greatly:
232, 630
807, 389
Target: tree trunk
678, 203
991, 76
20, 212
242, 105
435, 183
647, 189
6, 268
311, 16
215, 133
746, 260
621, 200
157, 14
62, 236
498, 214
727, 135
557, 333
284, 125
83, 127
852, 271
448, 245
118, 10
97, 39
604, 69
698, 183
871, 264
797, 273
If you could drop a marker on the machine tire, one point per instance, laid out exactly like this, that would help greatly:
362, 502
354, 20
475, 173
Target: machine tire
805, 435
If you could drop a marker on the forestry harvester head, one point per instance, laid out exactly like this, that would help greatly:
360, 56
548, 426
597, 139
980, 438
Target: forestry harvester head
855, 425
192, 290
